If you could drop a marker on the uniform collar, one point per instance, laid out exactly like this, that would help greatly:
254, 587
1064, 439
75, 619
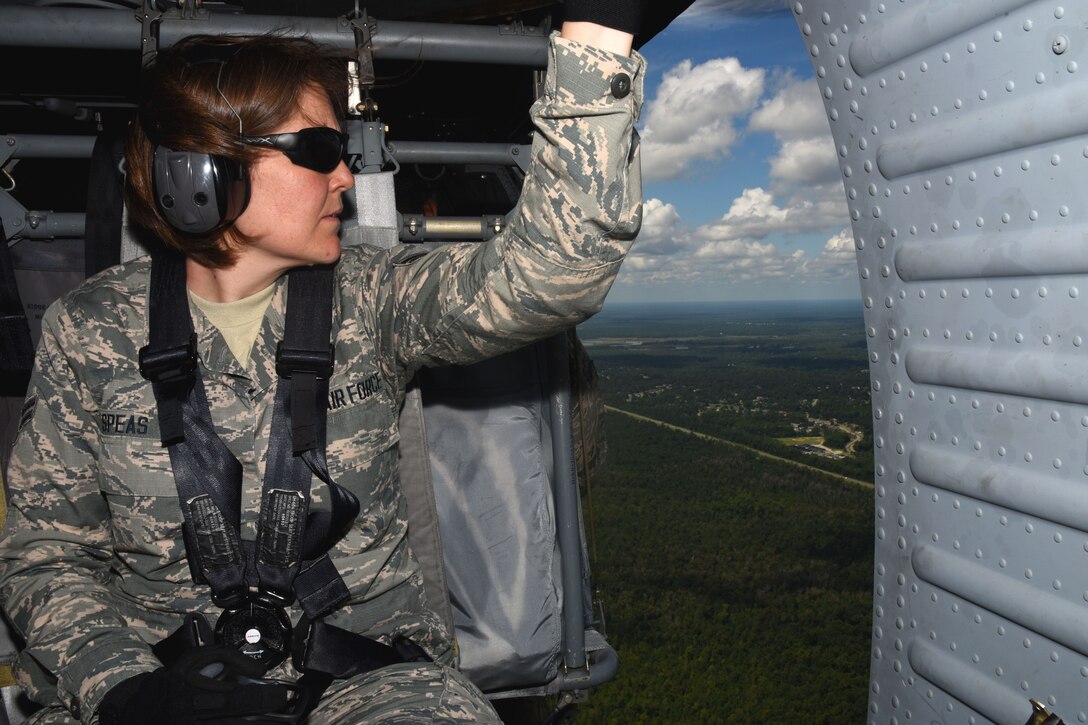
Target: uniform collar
218, 359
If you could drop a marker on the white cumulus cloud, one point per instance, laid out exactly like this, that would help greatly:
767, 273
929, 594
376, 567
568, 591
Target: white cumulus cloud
836, 261
693, 115
840, 247
738, 248
755, 213
663, 235
796, 116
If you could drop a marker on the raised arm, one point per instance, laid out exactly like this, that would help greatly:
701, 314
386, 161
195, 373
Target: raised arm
579, 211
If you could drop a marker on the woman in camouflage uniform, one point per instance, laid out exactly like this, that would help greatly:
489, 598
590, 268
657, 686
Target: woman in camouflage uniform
93, 566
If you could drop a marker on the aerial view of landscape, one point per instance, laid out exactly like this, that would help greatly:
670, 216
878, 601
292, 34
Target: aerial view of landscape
730, 525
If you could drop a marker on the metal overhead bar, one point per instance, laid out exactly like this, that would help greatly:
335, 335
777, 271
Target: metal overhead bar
45, 146
146, 29
55, 146
442, 152
24, 224
421, 228
21, 223
103, 29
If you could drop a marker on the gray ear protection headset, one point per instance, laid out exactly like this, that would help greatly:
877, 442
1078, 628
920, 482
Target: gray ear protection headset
196, 192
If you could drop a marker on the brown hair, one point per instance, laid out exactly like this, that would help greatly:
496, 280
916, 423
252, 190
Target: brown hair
184, 106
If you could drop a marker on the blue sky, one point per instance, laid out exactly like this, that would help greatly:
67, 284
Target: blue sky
743, 199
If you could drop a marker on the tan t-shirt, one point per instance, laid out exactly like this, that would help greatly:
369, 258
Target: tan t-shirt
238, 321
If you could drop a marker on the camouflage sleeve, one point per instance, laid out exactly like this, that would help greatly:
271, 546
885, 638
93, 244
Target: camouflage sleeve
55, 549
579, 210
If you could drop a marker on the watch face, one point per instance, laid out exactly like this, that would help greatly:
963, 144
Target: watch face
257, 630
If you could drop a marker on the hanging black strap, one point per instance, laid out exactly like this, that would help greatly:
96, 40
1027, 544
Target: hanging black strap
304, 356
105, 209
207, 475
304, 362
289, 558
16, 349
169, 360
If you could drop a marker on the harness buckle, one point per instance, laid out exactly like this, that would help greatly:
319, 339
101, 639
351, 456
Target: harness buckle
273, 598
257, 630
295, 360
169, 365
231, 599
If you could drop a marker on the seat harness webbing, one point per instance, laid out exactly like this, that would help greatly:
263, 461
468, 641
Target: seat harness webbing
289, 558
16, 348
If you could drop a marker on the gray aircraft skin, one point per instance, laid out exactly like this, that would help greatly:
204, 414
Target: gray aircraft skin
962, 136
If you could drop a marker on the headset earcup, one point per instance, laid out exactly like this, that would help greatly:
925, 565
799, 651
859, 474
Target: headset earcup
196, 192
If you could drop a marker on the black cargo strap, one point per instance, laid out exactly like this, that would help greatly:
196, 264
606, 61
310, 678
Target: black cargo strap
16, 349
289, 558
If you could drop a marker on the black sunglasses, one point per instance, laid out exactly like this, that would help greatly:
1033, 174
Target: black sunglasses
319, 148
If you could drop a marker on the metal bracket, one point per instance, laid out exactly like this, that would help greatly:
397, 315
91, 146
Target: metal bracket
190, 9
577, 677
367, 152
363, 26
8, 149
13, 215
149, 18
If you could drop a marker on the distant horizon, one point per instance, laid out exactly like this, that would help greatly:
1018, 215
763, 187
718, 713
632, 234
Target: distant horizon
646, 311
794, 300
778, 304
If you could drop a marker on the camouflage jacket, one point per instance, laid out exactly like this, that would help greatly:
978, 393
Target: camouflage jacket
92, 564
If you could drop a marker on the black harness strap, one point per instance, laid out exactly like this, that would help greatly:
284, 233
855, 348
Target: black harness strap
207, 475
290, 556
304, 356
105, 208
16, 349
209, 478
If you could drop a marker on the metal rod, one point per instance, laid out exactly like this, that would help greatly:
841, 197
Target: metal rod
566, 504
37, 27
96, 28
440, 152
49, 146
52, 225
417, 227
